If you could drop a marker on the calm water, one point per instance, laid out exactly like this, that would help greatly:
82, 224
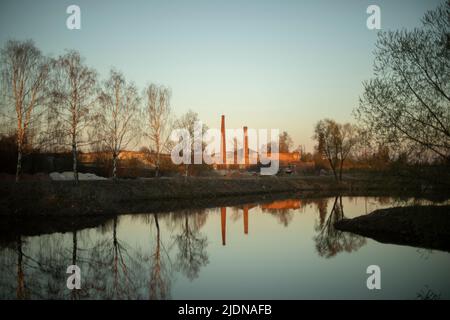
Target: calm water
282, 250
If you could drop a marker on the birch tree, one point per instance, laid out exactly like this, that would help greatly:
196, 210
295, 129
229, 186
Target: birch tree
119, 114
24, 72
159, 122
74, 97
188, 121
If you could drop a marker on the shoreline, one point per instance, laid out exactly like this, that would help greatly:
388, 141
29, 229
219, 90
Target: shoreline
93, 203
418, 226
108, 197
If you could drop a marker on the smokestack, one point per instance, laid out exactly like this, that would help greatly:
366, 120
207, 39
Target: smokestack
223, 142
246, 150
235, 158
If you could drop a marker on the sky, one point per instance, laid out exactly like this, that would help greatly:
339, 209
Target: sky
263, 63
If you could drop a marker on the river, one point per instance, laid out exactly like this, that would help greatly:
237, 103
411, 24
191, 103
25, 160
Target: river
286, 249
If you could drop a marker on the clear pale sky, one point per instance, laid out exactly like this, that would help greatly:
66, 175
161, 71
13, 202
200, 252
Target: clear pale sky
264, 64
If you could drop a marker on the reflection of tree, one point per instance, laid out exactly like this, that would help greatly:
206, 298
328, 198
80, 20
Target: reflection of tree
112, 256
322, 208
39, 269
75, 294
21, 293
330, 241
282, 209
12, 270
384, 200
36, 268
122, 285
428, 294
192, 245
235, 214
159, 276
284, 216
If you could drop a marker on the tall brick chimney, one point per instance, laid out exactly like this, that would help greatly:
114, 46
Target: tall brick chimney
223, 142
246, 150
235, 158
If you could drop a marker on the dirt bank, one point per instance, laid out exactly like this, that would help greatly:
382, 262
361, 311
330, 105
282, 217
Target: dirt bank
418, 226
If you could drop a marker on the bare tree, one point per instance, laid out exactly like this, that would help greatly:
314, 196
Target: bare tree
335, 142
52, 132
24, 77
118, 118
407, 103
74, 96
159, 122
187, 121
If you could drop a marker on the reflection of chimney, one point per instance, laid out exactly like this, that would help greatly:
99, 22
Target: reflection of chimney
223, 220
246, 151
246, 219
223, 143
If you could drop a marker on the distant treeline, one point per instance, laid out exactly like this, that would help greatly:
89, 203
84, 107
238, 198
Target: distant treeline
61, 106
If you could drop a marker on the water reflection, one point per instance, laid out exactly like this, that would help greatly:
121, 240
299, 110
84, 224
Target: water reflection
20, 277
246, 219
192, 245
160, 268
157, 256
330, 241
223, 224
282, 210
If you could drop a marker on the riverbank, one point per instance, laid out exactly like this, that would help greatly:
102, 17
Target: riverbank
109, 197
418, 226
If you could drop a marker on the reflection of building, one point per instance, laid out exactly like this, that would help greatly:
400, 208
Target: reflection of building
282, 205
281, 208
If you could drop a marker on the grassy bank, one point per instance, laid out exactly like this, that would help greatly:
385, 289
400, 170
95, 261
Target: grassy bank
128, 196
